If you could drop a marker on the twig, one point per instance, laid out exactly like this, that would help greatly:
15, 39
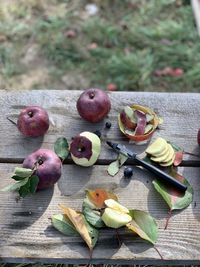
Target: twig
13, 122
118, 238
191, 154
156, 249
169, 216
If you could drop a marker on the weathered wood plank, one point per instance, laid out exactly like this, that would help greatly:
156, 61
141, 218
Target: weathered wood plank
180, 112
196, 10
27, 235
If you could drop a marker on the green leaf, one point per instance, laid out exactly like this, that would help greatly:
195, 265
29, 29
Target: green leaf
63, 225
144, 225
25, 189
113, 168
174, 198
34, 180
17, 178
16, 186
61, 148
93, 232
93, 217
23, 172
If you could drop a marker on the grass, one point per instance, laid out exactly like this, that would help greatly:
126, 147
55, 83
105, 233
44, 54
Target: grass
133, 39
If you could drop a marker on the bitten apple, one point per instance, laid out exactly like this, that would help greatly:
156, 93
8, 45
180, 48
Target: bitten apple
33, 121
93, 105
85, 149
48, 167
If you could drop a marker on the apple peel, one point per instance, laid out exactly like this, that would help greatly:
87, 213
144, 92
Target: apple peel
151, 119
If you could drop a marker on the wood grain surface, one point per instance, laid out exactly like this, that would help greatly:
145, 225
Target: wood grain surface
26, 234
180, 112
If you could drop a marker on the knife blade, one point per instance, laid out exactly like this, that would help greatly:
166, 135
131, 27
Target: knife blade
153, 169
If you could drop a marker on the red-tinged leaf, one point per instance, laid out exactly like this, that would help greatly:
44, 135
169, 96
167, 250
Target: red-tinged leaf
175, 199
141, 122
98, 196
178, 158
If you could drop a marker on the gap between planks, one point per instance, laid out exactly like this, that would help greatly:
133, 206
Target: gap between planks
185, 163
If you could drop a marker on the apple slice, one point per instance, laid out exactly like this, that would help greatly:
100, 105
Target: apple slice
171, 154
114, 218
169, 163
111, 203
156, 147
163, 152
148, 128
165, 157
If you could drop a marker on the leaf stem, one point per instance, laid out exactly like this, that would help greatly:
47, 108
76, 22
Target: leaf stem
118, 238
191, 154
168, 217
156, 249
90, 258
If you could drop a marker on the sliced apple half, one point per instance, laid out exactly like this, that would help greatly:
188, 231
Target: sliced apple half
114, 218
157, 147
111, 203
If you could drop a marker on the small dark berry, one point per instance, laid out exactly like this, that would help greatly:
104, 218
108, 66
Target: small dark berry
128, 172
98, 133
108, 124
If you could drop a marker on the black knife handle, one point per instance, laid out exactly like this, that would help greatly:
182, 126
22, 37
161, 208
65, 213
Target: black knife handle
161, 174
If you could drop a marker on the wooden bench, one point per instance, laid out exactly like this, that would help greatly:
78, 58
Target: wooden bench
26, 234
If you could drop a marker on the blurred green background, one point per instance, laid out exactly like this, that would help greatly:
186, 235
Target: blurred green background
137, 45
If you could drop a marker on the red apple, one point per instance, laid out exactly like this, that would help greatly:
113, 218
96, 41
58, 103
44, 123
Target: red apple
33, 121
93, 105
48, 167
198, 137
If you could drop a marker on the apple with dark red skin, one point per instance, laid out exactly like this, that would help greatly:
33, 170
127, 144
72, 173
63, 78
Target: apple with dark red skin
93, 105
48, 167
33, 121
198, 137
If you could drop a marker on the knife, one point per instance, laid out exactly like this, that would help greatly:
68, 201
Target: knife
153, 169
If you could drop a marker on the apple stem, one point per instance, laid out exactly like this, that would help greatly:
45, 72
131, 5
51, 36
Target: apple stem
13, 122
191, 154
118, 238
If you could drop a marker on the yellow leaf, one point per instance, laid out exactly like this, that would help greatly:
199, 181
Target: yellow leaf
78, 221
135, 228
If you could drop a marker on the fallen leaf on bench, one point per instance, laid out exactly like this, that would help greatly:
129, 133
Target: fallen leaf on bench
174, 199
98, 196
114, 167
87, 232
63, 225
144, 225
93, 217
